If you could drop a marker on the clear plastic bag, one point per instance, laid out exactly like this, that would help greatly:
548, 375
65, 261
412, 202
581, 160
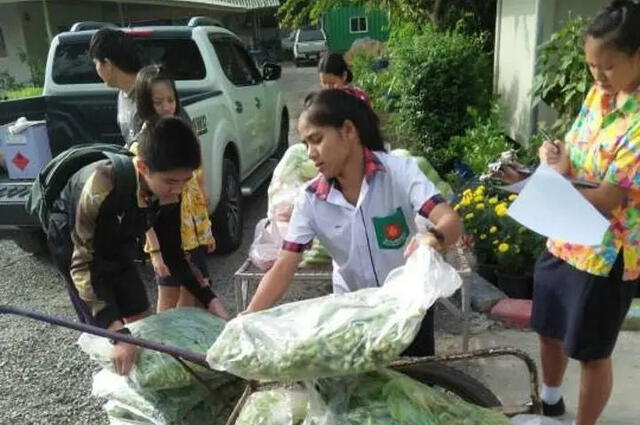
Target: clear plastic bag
390, 398
279, 406
383, 397
336, 334
292, 172
188, 328
533, 420
266, 244
157, 407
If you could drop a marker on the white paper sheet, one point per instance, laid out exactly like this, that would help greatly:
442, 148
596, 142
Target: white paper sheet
551, 206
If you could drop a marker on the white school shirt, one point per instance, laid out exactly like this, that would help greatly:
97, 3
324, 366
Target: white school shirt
366, 241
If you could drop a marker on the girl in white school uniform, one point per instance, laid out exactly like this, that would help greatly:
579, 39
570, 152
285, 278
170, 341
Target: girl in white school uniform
361, 206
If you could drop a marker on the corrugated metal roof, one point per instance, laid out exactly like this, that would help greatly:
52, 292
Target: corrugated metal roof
245, 4
222, 4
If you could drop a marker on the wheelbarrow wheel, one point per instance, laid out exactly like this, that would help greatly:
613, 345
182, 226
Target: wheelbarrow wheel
454, 382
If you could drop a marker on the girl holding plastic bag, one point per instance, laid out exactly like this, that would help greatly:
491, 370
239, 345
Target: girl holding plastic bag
361, 206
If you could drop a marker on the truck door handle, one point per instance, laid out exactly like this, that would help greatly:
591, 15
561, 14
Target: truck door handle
238, 106
258, 103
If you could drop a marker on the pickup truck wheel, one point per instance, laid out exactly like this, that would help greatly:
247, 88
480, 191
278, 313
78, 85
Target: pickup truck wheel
227, 218
32, 241
283, 140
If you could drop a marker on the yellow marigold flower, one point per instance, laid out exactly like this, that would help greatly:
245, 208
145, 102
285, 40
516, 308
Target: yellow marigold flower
503, 247
478, 199
493, 229
457, 207
493, 200
483, 236
480, 189
466, 192
480, 206
469, 216
513, 197
501, 209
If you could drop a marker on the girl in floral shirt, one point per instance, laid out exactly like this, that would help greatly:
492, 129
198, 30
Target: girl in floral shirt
582, 293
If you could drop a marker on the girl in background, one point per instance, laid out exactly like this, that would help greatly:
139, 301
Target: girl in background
181, 236
334, 73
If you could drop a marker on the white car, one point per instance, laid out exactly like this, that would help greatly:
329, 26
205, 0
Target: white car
309, 45
237, 110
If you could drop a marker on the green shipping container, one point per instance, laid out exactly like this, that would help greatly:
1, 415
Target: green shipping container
345, 25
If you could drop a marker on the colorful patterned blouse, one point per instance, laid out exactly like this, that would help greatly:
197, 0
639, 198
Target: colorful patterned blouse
604, 146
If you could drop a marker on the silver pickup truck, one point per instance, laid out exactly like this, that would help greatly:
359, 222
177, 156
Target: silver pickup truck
309, 45
237, 110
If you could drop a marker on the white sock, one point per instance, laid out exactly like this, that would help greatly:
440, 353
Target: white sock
551, 395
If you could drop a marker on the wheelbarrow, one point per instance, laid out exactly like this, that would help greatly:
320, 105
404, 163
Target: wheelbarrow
433, 371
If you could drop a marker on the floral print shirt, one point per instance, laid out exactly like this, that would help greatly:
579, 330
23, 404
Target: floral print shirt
604, 146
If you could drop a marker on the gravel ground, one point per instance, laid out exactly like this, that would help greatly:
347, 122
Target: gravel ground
46, 379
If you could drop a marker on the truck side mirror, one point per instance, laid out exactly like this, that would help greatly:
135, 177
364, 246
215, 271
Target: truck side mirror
271, 71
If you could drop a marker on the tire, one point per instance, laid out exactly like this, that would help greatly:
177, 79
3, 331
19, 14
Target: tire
454, 382
283, 139
33, 241
226, 221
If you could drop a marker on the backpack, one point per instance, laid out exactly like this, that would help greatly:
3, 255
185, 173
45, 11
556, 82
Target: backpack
55, 175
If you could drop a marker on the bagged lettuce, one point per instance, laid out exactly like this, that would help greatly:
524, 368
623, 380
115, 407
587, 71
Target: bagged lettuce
315, 256
192, 405
391, 398
189, 328
279, 406
336, 334
383, 397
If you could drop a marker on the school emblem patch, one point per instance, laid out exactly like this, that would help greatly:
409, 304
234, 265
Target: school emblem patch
391, 231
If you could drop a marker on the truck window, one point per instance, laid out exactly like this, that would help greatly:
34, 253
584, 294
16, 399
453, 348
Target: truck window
236, 63
72, 65
311, 35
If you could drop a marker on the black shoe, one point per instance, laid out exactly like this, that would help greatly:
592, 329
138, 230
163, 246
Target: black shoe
553, 410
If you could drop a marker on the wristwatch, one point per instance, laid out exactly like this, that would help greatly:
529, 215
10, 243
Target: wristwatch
123, 331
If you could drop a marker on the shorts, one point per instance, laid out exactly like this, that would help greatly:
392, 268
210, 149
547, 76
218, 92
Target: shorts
194, 264
188, 269
582, 310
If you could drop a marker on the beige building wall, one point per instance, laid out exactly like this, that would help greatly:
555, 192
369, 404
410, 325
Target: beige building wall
516, 40
14, 41
522, 25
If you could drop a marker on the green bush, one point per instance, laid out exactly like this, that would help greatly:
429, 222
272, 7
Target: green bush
562, 78
482, 142
22, 93
440, 76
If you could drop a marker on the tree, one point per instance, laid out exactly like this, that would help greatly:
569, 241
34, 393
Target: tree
441, 13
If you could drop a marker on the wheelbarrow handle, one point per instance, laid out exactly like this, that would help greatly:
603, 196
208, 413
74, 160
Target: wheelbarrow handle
190, 356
